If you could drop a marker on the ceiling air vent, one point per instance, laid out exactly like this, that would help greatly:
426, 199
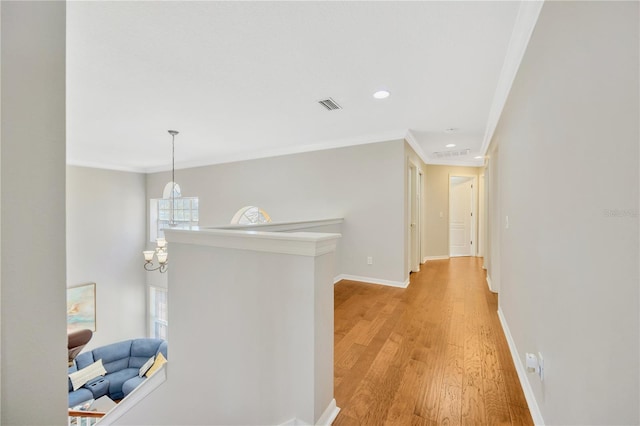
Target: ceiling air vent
452, 154
329, 104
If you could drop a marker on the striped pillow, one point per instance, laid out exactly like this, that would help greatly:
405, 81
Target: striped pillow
80, 377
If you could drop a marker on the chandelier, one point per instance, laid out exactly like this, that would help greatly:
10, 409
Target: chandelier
160, 251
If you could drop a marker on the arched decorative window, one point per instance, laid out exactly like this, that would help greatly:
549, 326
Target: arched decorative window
172, 211
250, 215
166, 193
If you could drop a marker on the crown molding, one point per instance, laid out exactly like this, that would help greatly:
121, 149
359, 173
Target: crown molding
522, 30
278, 152
413, 143
106, 166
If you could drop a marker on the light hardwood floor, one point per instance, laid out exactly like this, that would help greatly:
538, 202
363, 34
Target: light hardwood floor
431, 354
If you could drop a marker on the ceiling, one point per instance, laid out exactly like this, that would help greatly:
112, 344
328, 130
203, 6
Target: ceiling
242, 80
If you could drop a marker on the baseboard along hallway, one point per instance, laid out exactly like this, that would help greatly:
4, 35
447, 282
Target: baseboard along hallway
433, 353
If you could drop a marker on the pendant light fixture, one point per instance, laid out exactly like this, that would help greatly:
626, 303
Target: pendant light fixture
161, 244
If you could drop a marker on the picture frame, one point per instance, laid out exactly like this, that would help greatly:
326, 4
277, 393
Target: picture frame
81, 307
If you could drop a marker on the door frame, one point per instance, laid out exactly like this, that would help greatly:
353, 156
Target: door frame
474, 212
414, 212
482, 216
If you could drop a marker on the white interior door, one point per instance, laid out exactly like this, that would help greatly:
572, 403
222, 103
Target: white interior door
460, 216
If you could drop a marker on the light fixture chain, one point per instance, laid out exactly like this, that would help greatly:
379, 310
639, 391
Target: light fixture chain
161, 250
173, 178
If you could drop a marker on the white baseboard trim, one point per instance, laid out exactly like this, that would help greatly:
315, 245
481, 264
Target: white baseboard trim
427, 258
326, 419
329, 414
522, 375
489, 284
371, 280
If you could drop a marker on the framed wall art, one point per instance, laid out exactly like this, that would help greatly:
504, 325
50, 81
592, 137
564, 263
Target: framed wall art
81, 307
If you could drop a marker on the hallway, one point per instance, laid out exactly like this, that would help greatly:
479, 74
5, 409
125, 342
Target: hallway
433, 353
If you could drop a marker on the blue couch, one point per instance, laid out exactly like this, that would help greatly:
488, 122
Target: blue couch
122, 361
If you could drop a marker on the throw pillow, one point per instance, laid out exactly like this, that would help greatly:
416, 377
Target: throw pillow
146, 366
80, 377
159, 362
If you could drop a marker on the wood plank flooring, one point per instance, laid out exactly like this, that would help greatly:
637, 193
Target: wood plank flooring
431, 354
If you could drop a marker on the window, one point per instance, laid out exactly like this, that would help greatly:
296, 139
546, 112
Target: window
250, 215
184, 211
158, 313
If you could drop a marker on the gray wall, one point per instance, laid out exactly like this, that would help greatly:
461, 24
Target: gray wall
34, 359
494, 219
364, 184
105, 237
251, 343
568, 179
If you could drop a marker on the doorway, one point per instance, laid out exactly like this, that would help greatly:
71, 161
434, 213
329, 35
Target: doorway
462, 216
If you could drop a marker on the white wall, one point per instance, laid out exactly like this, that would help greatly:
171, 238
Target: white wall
106, 231
363, 184
568, 146
33, 214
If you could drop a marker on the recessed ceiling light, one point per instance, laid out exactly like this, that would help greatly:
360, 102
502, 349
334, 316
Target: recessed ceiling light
478, 157
381, 94
450, 145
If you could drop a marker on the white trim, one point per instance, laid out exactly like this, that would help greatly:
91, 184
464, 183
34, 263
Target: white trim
297, 243
369, 280
390, 136
283, 226
329, 414
326, 419
103, 166
413, 143
489, 283
138, 394
523, 28
522, 375
427, 258
413, 206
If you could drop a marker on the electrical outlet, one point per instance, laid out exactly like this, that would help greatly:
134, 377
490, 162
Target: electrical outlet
369, 260
535, 364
